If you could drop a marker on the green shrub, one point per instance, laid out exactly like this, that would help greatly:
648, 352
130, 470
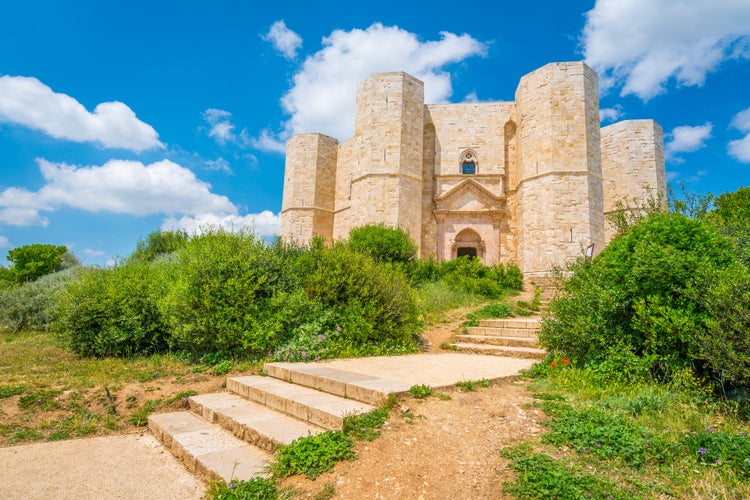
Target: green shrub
371, 303
383, 244
113, 312
231, 293
157, 244
30, 306
420, 391
669, 290
257, 488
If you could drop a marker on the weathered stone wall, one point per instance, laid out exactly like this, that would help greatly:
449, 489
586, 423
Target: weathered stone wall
545, 171
632, 166
309, 187
386, 164
559, 188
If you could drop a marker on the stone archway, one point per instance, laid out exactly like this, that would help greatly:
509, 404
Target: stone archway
468, 242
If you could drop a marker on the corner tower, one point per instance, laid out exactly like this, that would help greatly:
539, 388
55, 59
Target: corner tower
309, 184
559, 174
386, 174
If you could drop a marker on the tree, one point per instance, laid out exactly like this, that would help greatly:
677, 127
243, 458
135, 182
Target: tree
159, 243
33, 261
382, 243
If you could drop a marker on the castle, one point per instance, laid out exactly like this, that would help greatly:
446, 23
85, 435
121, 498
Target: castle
528, 181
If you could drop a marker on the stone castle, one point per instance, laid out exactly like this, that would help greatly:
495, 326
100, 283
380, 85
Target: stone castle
528, 181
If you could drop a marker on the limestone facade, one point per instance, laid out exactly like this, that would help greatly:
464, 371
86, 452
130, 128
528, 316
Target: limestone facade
527, 181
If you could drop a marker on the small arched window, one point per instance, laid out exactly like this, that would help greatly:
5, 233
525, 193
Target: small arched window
468, 163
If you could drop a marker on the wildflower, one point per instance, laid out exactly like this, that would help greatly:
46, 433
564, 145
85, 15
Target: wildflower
231, 485
597, 444
585, 450
702, 451
718, 460
710, 430
304, 354
320, 337
338, 328
565, 362
553, 364
184, 400
317, 359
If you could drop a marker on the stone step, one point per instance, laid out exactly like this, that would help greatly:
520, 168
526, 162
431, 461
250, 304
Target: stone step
516, 323
207, 450
511, 352
305, 403
365, 388
497, 340
249, 421
502, 332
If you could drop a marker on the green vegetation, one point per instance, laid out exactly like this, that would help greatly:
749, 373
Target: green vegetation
31, 262
383, 244
647, 381
667, 294
496, 310
420, 391
610, 438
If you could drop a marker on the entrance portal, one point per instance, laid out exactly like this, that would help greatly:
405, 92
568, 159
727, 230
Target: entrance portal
468, 251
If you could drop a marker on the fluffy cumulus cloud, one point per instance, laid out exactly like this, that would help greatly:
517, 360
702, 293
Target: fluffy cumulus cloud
3, 242
323, 92
686, 139
284, 40
127, 187
641, 45
27, 101
740, 149
265, 223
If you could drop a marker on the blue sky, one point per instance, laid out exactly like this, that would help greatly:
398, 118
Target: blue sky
121, 118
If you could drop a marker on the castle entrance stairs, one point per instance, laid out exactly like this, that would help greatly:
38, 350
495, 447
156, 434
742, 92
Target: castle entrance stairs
511, 337
233, 434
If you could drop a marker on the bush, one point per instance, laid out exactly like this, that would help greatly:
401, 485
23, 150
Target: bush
30, 305
113, 312
34, 261
313, 455
370, 303
232, 293
384, 244
471, 276
669, 289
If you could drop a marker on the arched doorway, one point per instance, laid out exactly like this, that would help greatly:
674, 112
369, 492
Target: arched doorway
468, 243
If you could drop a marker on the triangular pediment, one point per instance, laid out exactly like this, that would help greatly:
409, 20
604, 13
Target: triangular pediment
469, 196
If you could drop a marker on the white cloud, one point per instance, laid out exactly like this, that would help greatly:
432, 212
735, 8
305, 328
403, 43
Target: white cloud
471, 97
118, 186
642, 44
741, 121
268, 142
4, 242
27, 101
740, 148
610, 114
686, 139
284, 40
219, 164
94, 253
222, 129
265, 223
323, 93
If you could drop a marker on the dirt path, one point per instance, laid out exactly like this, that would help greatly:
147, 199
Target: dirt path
437, 449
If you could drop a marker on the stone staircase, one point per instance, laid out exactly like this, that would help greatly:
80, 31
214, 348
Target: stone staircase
233, 434
512, 337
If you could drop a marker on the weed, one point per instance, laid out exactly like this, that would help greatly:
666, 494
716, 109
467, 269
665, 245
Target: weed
313, 455
420, 391
222, 368
366, 427
540, 476
140, 416
180, 396
442, 396
257, 488
7, 391
40, 399
19, 434
448, 347
326, 493
467, 385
